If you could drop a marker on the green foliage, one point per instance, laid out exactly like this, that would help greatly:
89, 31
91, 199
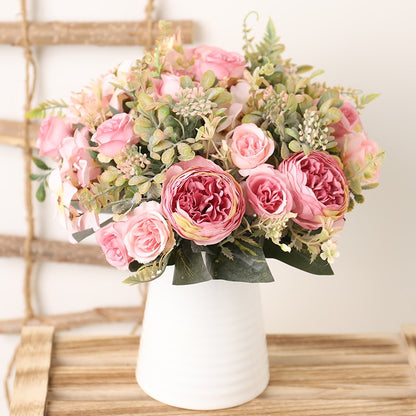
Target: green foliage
47, 108
298, 259
40, 163
150, 271
41, 192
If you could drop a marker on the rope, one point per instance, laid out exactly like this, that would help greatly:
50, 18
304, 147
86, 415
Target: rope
30, 67
150, 7
30, 82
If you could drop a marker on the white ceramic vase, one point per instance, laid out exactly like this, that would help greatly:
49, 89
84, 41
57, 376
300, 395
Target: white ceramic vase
203, 346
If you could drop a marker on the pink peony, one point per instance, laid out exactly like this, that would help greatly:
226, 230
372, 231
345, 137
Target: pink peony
318, 187
52, 131
149, 234
77, 164
201, 201
114, 134
111, 240
266, 192
169, 84
359, 154
223, 64
349, 122
250, 146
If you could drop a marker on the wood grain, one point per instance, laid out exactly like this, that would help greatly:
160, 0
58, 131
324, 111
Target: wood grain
32, 369
11, 132
409, 332
311, 375
53, 251
89, 33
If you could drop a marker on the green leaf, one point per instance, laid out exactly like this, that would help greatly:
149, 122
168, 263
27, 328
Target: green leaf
303, 68
35, 177
297, 259
41, 192
368, 98
40, 163
189, 266
370, 185
148, 272
81, 235
49, 107
248, 264
208, 80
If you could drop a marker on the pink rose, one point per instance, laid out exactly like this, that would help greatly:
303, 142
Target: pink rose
169, 84
318, 187
114, 134
201, 201
149, 234
349, 122
77, 164
266, 192
223, 64
250, 146
111, 240
52, 131
359, 154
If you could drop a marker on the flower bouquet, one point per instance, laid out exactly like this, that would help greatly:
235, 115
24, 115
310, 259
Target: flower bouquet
210, 161
192, 151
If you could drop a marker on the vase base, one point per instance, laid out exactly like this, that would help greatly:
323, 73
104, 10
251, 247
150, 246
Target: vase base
202, 403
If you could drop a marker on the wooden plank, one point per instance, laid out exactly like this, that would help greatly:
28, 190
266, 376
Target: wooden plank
76, 319
32, 369
11, 133
311, 375
257, 407
53, 251
89, 33
409, 332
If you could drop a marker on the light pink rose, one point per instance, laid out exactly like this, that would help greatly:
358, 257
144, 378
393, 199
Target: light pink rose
111, 240
77, 164
358, 154
149, 234
350, 120
201, 201
114, 134
266, 192
52, 131
169, 84
223, 64
250, 146
318, 187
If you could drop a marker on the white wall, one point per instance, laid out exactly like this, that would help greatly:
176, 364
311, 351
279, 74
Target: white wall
360, 43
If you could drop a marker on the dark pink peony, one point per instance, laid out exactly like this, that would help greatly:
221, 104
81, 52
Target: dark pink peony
318, 187
201, 201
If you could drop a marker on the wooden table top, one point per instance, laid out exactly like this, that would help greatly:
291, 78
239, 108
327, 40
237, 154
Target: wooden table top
311, 375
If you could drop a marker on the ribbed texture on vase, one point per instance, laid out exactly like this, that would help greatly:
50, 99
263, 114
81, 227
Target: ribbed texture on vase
203, 346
